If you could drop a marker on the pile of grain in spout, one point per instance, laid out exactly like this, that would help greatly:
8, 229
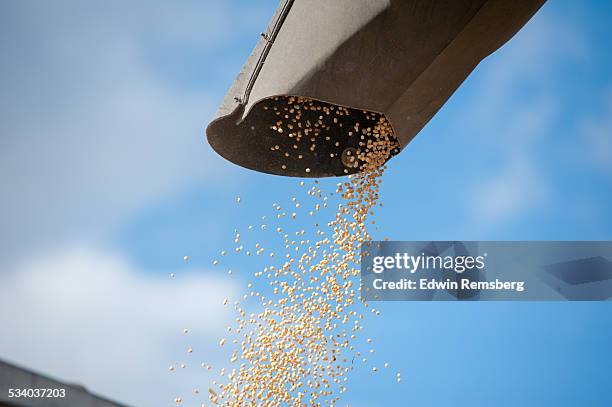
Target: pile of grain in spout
309, 138
299, 348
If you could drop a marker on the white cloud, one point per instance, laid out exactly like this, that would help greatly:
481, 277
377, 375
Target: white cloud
597, 136
89, 317
517, 104
517, 188
90, 130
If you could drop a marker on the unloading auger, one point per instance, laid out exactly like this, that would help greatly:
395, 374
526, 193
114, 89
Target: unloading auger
401, 59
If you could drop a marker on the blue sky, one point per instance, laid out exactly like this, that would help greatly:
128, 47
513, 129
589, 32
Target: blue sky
107, 182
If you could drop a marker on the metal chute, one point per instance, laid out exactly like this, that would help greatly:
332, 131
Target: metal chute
400, 58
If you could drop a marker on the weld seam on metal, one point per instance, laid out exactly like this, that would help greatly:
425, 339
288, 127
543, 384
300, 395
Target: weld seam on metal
269, 39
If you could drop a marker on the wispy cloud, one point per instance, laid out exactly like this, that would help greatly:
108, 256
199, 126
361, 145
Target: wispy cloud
515, 189
518, 106
91, 130
90, 317
597, 135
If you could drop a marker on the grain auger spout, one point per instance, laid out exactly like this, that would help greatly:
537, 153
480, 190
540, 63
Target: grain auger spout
326, 71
